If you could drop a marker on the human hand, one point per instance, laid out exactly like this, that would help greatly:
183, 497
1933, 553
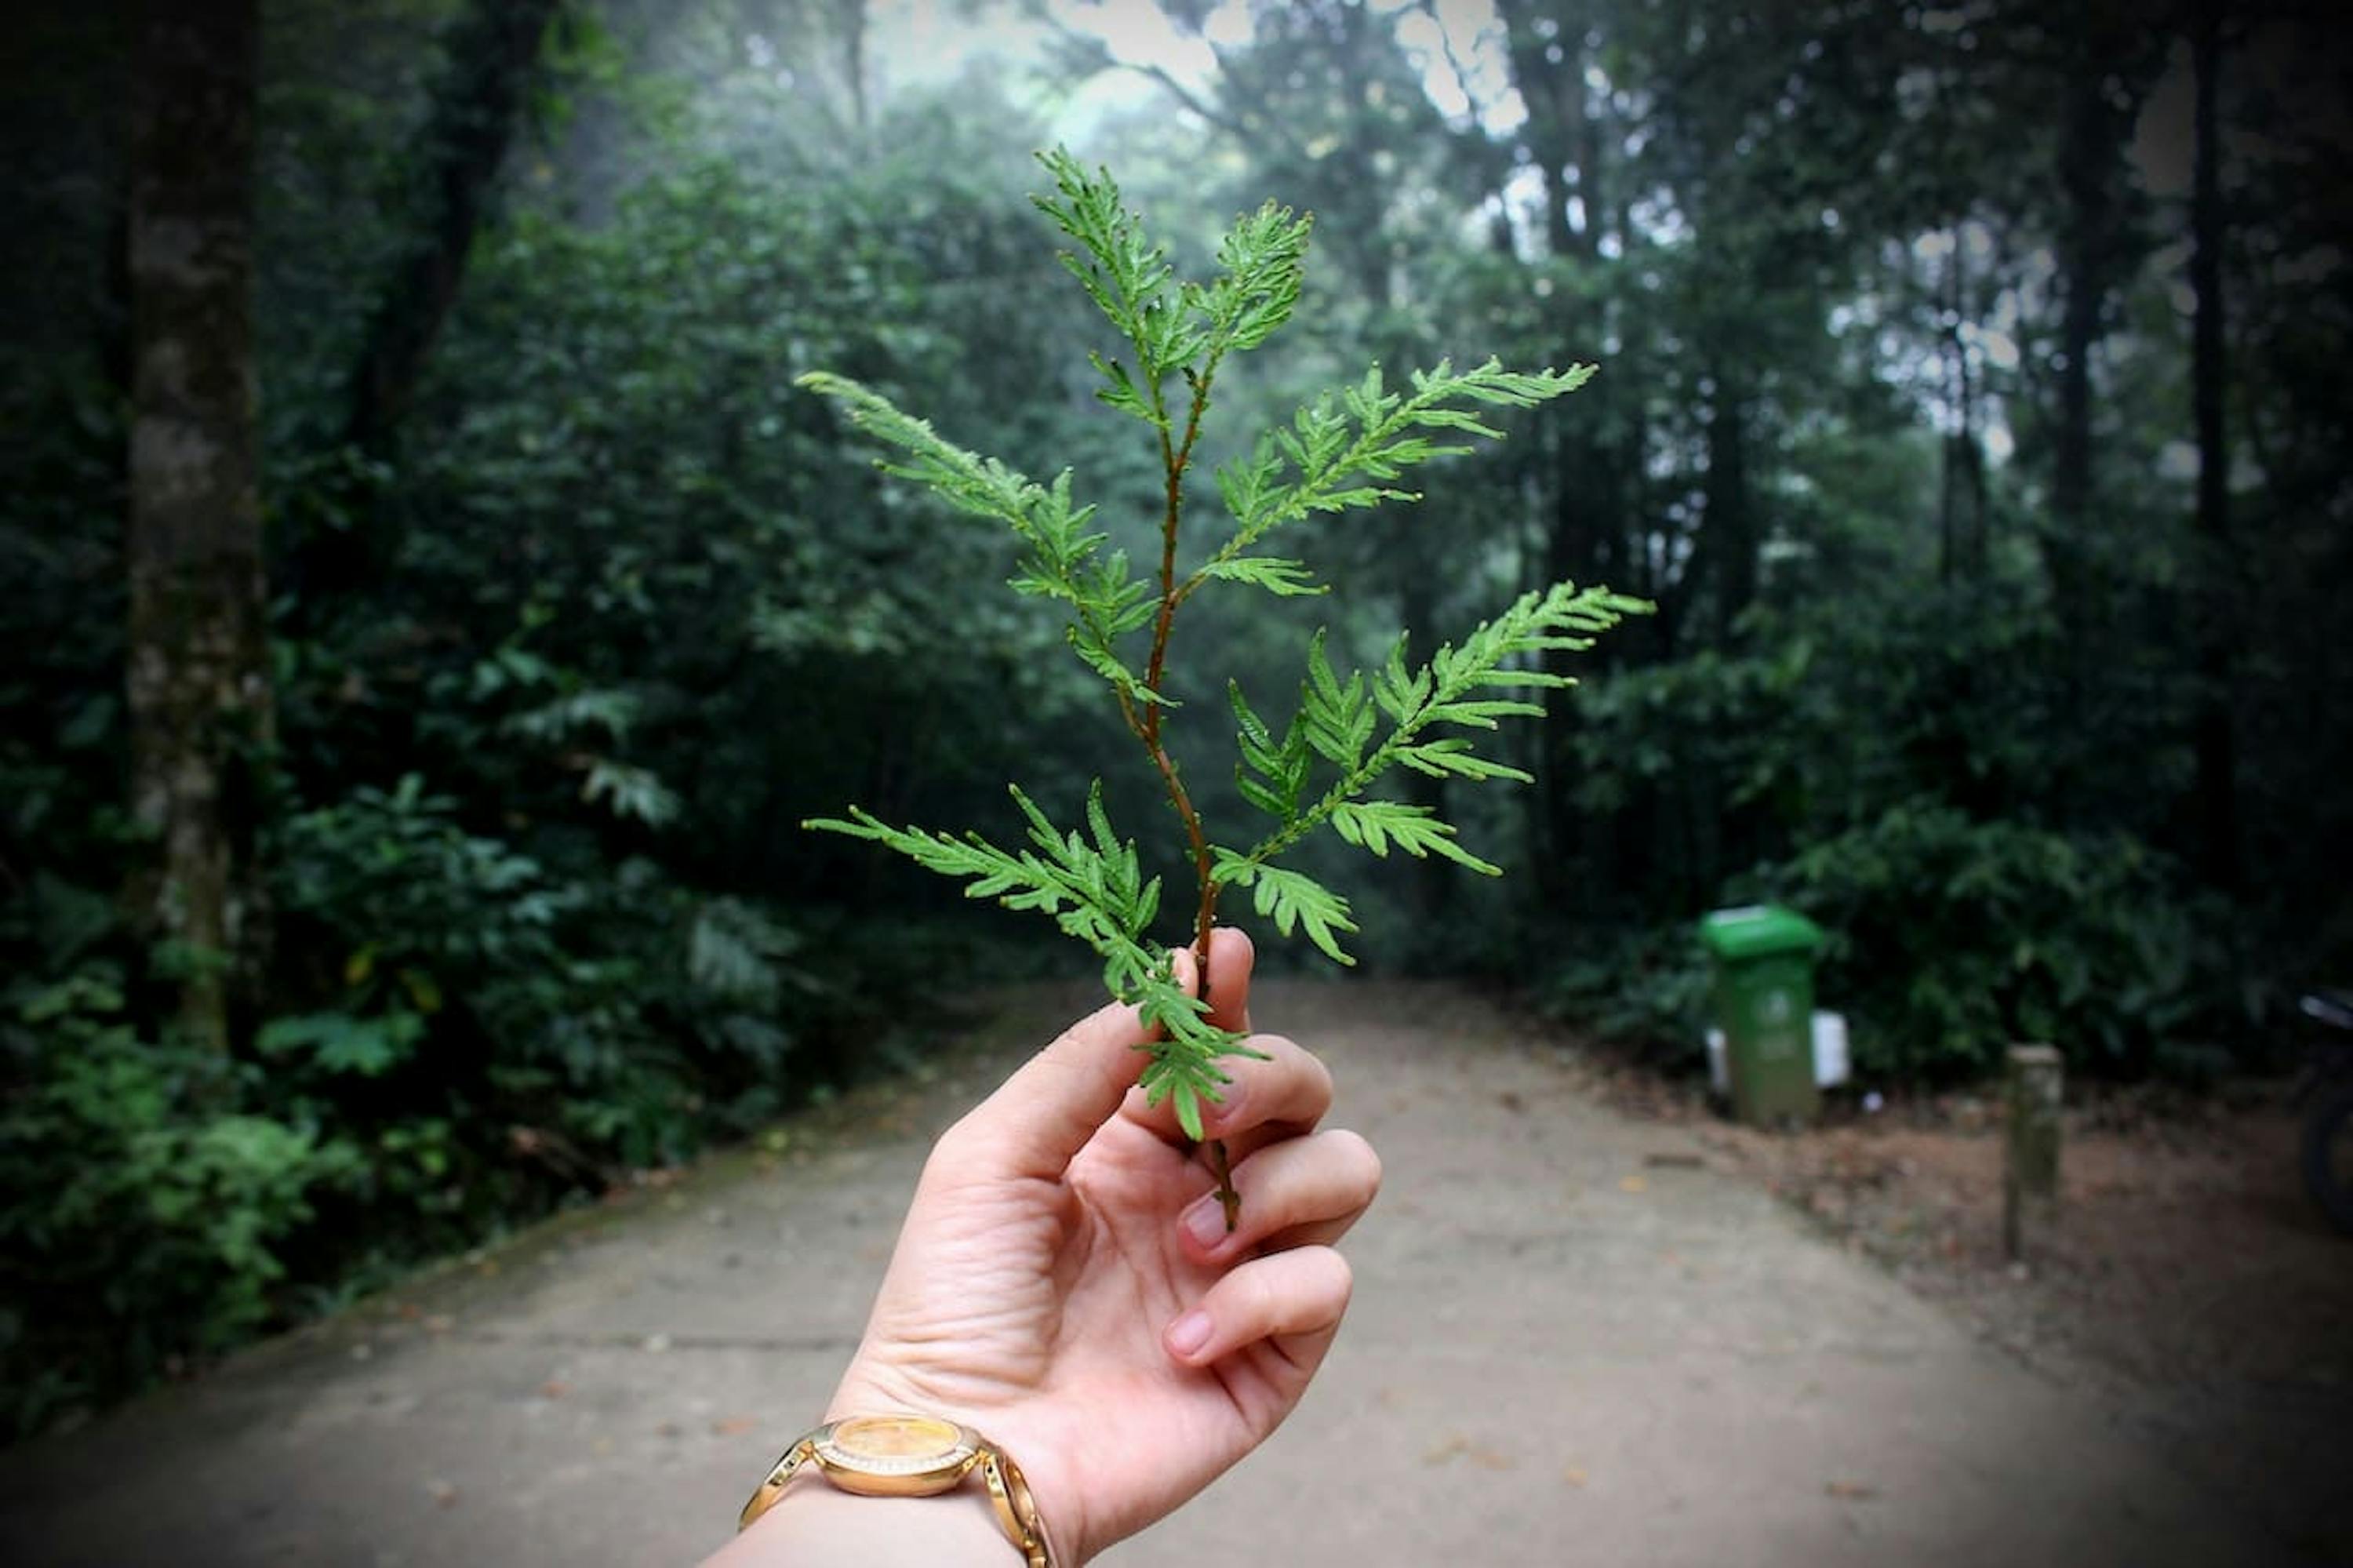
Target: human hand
1062, 1241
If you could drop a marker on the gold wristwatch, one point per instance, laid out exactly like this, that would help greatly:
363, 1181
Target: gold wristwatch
910, 1456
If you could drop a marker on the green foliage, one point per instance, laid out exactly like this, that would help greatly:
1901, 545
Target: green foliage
1338, 719
1958, 922
1367, 433
617, 1012
1950, 939
1645, 987
145, 1216
1337, 454
603, 612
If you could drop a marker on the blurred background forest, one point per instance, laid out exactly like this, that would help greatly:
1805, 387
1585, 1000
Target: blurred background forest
402, 765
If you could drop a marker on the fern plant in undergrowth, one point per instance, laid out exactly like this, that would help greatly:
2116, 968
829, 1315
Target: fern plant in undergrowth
1318, 768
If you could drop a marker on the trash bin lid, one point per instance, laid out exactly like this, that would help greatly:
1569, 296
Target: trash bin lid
1756, 930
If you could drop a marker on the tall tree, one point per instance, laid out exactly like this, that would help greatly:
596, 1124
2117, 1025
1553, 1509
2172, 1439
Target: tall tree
493, 49
2213, 738
2091, 135
2104, 65
198, 676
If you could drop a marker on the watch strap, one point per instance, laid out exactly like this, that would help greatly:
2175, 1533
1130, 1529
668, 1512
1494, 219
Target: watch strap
764, 1496
1016, 1511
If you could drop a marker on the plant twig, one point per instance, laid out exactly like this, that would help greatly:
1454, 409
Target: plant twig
1174, 456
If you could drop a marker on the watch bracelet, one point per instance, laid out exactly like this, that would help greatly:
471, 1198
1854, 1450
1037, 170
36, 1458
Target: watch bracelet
1008, 1492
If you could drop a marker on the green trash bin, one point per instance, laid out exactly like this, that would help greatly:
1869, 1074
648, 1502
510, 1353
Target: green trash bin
1764, 998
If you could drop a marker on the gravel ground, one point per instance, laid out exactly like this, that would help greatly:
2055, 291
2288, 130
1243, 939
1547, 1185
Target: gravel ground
2188, 1280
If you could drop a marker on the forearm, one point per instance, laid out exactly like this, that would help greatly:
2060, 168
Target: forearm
813, 1526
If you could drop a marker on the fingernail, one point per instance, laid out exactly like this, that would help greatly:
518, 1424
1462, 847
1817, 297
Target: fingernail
1229, 1101
1204, 1221
1189, 1333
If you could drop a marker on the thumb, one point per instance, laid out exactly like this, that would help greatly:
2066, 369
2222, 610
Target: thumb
1040, 1118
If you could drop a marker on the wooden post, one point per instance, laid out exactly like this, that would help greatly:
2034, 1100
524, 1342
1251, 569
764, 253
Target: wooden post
2030, 1182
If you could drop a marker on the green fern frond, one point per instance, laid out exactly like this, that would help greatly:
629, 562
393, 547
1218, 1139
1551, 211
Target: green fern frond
1348, 449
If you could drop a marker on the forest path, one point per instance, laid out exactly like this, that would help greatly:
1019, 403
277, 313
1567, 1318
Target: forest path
1570, 1343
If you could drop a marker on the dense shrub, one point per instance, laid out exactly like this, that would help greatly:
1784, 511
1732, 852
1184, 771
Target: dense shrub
143, 1212
471, 1034
1646, 987
1950, 939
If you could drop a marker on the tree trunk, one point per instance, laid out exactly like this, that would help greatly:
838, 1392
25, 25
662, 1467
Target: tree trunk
1554, 93
2087, 152
2212, 740
1962, 508
197, 675
851, 16
1726, 515
492, 51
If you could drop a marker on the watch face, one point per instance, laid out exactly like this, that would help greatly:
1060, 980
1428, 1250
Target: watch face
896, 1444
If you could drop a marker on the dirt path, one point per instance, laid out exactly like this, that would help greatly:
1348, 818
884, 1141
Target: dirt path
1571, 1343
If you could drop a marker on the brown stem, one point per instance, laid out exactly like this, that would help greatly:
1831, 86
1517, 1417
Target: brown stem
1175, 458
1173, 461
1228, 1198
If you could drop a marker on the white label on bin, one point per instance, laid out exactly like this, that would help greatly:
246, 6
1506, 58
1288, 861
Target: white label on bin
1831, 1065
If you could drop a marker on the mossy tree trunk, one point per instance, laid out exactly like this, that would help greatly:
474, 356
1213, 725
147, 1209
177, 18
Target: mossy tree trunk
198, 676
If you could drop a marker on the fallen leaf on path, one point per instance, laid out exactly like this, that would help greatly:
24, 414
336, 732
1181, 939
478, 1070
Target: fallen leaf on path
1573, 1476
1479, 1454
1852, 1490
444, 1493
734, 1426
1632, 1185
554, 1388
